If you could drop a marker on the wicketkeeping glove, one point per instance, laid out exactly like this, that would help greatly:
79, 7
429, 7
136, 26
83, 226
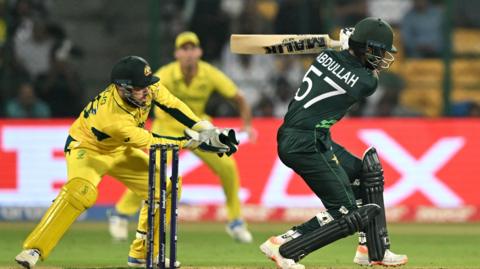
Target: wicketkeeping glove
211, 143
221, 142
229, 138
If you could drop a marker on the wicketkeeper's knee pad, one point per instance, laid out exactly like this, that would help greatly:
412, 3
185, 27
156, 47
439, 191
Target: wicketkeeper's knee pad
75, 196
80, 193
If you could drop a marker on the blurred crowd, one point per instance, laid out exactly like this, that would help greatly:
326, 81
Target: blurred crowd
36, 78
39, 80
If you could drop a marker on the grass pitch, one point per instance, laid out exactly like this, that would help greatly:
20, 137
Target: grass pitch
206, 245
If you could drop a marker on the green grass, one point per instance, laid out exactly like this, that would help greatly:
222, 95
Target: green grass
88, 245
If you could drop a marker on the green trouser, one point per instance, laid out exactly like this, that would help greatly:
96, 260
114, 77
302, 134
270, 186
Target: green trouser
326, 167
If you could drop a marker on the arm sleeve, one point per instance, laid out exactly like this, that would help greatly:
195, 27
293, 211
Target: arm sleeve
166, 101
137, 137
224, 85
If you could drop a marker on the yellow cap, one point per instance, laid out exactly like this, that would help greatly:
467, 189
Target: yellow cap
186, 37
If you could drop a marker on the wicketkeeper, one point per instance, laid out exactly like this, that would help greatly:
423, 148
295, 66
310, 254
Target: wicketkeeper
351, 189
193, 81
108, 138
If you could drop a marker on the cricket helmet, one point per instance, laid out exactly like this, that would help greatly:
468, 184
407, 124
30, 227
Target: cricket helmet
132, 72
374, 37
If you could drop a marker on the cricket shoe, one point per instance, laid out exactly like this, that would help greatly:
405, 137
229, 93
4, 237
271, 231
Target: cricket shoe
271, 249
118, 226
28, 258
237, 229
389, 259
134, 262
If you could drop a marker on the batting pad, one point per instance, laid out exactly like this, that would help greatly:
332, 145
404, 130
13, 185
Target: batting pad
301, 246
371, 186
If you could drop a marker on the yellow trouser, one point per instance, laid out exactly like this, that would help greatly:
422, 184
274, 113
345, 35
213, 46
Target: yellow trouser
225, 167
85, 169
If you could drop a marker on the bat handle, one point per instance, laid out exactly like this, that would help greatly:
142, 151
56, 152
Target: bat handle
335, 44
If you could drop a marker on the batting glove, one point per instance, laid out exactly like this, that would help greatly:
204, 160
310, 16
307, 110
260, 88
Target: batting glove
345, 34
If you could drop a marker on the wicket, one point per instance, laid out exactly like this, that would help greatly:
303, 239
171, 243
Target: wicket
152, 204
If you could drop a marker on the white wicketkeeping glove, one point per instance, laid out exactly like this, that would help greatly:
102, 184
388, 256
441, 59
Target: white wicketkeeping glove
211, 144
205, 136
345, 34
205, 129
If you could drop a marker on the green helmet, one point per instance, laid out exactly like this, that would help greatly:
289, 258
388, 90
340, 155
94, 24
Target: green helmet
373, 37
375, 32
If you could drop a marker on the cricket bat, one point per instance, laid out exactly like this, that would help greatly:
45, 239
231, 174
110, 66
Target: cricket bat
281, 44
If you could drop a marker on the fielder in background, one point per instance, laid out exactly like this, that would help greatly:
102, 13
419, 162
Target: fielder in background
351, 189
193, 81
108, 138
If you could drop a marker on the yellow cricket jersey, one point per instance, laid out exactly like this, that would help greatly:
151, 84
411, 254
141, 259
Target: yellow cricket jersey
108, 123
195, 95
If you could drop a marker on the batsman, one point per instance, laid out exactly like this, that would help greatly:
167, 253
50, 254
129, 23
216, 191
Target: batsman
350, 188
108, 138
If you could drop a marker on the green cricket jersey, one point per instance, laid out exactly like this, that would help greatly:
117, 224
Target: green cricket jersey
333, 83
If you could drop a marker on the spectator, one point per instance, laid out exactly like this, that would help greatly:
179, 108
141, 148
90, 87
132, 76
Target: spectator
26, 104
32, 46
421, 30
61, 86
251, 73
22, 13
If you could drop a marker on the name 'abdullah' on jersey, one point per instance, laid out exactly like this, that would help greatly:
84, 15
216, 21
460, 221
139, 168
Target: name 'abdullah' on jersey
334, 82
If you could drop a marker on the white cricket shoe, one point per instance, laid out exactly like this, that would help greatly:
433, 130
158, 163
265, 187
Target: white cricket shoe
118, 227
28, 258
389, 259
271, 249
237, 229
134, 262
